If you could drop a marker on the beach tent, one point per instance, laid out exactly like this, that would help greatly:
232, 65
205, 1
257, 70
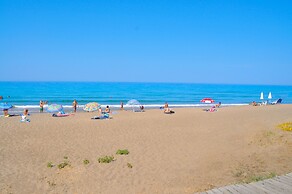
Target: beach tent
135, 104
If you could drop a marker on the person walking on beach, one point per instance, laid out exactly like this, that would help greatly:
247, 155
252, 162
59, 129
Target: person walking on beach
74, 105
41, 106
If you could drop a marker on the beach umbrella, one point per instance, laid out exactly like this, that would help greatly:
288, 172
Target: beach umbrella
54, 108
270, 95
207, 100
262, 96
92, 106
4, 106
134, 103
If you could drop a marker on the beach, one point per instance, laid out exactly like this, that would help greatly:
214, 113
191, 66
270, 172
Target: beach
186, 152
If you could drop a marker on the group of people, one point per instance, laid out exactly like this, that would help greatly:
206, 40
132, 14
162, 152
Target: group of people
24, 115
103, 113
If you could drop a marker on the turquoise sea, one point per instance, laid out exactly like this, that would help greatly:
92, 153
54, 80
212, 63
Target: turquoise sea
152, 95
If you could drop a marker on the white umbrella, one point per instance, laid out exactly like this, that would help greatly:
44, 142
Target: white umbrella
270, 95
262, 96
134, 103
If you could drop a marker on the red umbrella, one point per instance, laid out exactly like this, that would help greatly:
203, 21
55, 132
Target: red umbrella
207, 100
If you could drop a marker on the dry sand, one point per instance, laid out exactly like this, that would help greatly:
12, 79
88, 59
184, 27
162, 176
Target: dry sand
188, 151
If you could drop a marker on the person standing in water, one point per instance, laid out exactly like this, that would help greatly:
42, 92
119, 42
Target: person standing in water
74, 105
122, 106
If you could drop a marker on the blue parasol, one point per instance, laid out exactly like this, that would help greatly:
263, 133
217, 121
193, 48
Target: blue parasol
4, 106
54, 108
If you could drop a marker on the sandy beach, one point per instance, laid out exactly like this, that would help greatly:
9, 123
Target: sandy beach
185, 152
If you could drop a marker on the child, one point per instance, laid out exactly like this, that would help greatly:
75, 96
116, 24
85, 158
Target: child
24, 116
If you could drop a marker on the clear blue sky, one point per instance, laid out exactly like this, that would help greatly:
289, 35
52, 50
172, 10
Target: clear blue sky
198, 41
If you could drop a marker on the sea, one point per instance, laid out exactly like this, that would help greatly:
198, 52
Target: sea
151, 95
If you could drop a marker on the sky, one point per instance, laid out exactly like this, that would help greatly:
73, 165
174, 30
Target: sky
184, 41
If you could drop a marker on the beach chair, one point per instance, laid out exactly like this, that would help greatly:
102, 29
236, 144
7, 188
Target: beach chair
277, 101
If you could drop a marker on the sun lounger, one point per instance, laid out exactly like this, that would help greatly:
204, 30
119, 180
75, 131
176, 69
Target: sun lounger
277, 101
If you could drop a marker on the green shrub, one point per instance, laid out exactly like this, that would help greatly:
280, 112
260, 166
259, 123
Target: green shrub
106, 159
129, 165
85, 161
123, 152
50, 165
63, 165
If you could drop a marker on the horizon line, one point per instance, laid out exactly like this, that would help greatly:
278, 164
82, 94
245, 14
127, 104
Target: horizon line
149, 82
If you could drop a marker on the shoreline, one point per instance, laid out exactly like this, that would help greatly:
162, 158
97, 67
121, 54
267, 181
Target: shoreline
68, 108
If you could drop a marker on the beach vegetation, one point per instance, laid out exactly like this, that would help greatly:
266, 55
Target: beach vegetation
51, 183
122, 152
85, 161
256, 178
129, 165
65, 157
106, 159
269, 134
50, 165
286, 126
246, 175
63, 164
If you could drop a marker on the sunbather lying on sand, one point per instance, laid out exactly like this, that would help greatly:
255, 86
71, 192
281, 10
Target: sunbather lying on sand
61, 114
212, 109
103, 116
168, 111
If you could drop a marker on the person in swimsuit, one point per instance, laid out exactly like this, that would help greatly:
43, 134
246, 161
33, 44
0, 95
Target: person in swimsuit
107, 109
74, 105
167, 110
5, 113
24, 116
122, 106
41, 106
